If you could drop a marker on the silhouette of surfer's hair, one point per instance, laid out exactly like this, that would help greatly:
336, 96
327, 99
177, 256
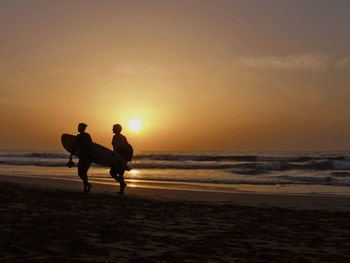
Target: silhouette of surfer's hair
117, 127
82, 126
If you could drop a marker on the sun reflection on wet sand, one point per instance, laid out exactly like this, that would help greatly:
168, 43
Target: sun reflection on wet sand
134, 172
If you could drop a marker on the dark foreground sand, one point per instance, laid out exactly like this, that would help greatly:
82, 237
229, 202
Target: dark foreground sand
47, 225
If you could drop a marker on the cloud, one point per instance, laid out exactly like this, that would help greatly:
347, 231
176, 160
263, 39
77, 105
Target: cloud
140, 69
311, 62
343, 63
57, 72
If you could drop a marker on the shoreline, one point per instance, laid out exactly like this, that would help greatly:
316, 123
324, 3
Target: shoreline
290, 201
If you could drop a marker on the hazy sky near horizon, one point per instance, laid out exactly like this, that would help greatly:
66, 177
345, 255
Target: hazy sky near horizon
201, 75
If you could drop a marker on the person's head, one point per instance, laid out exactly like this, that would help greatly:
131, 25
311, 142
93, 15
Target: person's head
117, 128
82, 127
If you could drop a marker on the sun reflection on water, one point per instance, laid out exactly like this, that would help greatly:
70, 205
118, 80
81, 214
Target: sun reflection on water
132, 182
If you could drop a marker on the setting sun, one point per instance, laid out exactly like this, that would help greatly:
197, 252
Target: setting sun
135, 124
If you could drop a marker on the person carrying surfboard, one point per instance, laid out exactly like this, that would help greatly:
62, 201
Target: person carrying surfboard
123, 148
83, 146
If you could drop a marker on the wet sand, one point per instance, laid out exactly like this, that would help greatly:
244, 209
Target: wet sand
161, 192
46, 224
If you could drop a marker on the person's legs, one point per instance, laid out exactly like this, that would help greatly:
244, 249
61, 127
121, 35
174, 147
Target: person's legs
83, 167
118, 175
81, 172
114, 173
121, 182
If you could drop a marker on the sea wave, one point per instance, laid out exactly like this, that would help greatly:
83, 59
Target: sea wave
41, 163
237, 158
199, 157
45, 155
254, 169
235, 168
235, 163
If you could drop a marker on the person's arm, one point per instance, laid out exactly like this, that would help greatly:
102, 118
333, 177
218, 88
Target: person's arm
74, 148
90, 138
114, 142
71, 154
91, 147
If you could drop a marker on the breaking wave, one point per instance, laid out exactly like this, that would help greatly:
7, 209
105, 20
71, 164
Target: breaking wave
241, 164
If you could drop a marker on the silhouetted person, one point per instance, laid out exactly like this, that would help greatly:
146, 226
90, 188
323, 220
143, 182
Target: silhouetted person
123, 148
83, 146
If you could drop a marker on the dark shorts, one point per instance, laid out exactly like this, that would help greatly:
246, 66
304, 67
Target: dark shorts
114, 171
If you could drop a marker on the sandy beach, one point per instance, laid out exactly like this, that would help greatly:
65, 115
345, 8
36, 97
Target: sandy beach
227, 119
53, 224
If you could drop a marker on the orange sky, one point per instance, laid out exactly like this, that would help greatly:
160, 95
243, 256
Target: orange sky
201, 75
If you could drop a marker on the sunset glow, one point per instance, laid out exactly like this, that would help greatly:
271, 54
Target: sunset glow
199, 75
199, 130
135, 124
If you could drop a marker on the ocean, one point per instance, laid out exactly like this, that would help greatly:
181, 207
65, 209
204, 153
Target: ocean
264, 172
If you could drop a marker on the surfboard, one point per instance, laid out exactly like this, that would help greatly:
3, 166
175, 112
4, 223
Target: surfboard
101, 155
